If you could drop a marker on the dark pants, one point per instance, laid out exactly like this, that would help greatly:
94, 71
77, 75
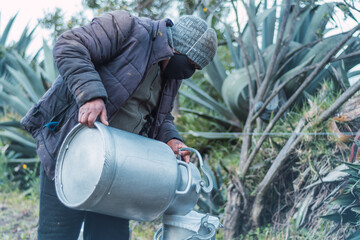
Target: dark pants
56, 221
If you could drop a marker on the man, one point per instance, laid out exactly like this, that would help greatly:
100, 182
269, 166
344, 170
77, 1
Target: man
124, 71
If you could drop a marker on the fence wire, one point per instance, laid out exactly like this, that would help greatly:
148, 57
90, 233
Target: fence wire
274, 134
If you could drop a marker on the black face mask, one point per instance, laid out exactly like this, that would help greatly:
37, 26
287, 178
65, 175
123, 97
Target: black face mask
179, 68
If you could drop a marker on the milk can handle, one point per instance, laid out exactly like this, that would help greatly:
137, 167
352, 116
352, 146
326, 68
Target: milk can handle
206, 174
189, 178
158, 234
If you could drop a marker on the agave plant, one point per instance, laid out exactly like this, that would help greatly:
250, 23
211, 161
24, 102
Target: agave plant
295, 57
21, 87
20, 46
306, 48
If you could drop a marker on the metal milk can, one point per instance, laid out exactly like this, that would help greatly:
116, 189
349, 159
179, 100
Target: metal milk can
192, 226
114, 172
182, 204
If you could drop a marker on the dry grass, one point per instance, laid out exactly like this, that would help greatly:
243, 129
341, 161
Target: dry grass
18, 216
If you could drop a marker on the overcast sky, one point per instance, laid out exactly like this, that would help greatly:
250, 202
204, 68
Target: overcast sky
29, 12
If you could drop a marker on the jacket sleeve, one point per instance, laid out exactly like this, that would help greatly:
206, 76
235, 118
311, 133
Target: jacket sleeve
77, 52
167, 130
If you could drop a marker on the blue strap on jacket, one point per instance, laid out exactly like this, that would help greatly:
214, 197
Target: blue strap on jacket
52, 125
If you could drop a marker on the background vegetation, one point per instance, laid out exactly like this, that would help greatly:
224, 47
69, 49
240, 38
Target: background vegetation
274, 115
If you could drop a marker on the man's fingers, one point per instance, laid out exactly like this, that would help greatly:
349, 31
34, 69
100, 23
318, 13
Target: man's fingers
84, 119
91, 119
184, 153
103, 117
89, 112
81, 114
175, 145
185, 156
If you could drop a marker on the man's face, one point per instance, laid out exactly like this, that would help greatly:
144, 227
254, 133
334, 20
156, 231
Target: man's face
179, 67
197, 67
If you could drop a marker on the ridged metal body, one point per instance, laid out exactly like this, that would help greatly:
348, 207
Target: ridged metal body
182, 204
110, 171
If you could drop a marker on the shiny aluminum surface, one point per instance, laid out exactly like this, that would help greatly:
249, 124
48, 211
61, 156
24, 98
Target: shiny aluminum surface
184, 203
86, 162
193, 226
114, 172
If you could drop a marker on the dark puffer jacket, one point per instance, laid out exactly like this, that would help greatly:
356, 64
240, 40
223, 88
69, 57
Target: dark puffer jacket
107, 59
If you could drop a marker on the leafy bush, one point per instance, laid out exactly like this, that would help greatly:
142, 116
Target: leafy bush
345, 200
23, 80
268, 81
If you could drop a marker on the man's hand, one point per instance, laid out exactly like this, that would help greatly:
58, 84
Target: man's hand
89, 112
175, 144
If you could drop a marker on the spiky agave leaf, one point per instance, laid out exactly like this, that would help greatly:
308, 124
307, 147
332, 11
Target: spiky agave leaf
217, 106
221, 121
31, 75
308, 29
317, 25
20, 87
49, 71
5, 33
14, 102
235, 92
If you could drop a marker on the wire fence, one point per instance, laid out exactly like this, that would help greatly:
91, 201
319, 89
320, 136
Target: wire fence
271, 134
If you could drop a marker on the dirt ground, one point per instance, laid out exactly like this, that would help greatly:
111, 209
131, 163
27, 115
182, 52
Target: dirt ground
19, 219
18, 216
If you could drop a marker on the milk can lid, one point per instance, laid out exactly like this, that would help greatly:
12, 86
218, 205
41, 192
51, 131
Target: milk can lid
81, 163
191, 221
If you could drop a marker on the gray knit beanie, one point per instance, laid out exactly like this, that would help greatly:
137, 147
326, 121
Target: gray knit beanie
191, 36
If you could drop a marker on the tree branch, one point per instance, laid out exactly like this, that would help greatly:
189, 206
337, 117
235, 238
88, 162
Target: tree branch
251, 90
291, 100
299, 49
352, 6
258, 56
261, 91
144, 5
239, 40
290, 146
281, 86
333, 59
288, 39
270, 175
246, 144
280, 58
